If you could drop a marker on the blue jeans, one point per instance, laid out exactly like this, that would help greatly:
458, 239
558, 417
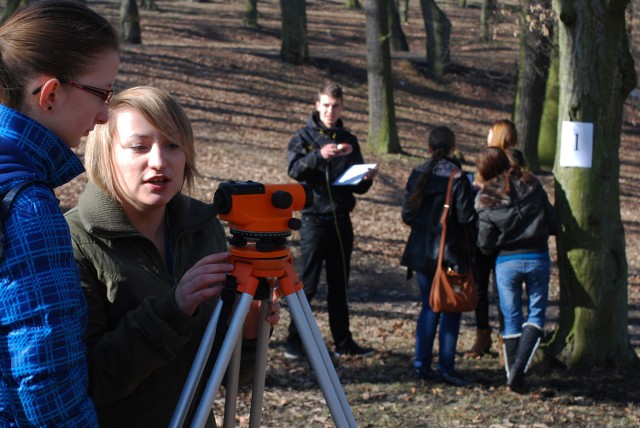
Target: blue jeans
426, 331
534, 269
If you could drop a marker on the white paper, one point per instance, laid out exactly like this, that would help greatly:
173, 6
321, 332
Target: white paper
576, 144
354, 174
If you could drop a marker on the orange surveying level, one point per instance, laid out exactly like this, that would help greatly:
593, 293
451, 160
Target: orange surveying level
260, 218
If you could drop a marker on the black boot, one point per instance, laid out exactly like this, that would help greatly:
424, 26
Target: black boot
510, 349
529, 341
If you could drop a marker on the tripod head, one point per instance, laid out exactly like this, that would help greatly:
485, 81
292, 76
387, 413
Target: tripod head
259, 214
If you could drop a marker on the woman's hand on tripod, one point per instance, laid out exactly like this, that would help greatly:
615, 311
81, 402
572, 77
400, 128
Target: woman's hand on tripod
251, 324
204, 280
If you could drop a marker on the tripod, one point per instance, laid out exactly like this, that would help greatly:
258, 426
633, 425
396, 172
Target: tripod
253, 271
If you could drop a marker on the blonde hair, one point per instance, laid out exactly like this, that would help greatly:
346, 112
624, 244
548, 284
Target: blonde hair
162, 111
503, 135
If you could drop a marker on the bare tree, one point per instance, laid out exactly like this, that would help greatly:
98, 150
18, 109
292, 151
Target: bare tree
438, 29
294, 47
549, 121
12, 6
130, 22
383, 134
536, 25
353, 4
398, 38
596, 76
487, 11
250, 14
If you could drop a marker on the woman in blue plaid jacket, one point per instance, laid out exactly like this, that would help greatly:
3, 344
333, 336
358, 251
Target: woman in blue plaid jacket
58, 61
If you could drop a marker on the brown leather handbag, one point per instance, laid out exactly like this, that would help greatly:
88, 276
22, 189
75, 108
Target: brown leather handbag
452, 291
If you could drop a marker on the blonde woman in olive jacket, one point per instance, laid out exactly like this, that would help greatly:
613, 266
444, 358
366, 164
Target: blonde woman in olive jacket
151, 260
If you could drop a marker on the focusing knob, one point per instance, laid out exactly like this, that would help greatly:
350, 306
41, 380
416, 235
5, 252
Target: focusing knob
294, 223
281, 199
222, 201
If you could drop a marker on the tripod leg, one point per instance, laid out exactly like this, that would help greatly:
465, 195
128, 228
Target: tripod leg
257, 392
231, 387
326, 359
197, 367
222, 362
316, 354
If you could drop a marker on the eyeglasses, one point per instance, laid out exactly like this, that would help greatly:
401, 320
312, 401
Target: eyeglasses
105, 94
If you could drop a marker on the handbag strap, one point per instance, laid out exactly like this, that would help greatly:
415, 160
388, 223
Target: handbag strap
445, 214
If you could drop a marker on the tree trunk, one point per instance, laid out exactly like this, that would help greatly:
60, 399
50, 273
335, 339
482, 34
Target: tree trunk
533, 69
596, 75
487, 11
148, 5
130, 22
294, 47
398, 39
438, 29
405, 10
383, 134
549, 121
250, 14
11, 6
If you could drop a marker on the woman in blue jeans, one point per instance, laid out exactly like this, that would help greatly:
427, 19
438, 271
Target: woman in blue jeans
515, 220
422, 208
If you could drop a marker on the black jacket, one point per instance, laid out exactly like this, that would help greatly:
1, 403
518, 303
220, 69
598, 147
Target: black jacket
423, 246
307, 165
516, 222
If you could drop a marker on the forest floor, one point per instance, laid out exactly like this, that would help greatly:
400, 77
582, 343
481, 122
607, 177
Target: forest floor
245, 103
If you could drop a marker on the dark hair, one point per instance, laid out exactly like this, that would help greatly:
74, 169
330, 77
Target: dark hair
442, 141
331, 89
492, 162
59, 38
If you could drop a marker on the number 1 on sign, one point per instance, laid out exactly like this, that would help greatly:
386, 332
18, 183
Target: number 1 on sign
576, 148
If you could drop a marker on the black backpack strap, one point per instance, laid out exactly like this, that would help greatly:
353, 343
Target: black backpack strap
7, 200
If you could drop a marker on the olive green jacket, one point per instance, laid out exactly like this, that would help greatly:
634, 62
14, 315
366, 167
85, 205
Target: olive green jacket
140, 344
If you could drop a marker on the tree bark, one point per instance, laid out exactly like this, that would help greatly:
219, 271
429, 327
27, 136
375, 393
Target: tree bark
130, 22
294, 47
487, 11
10, 7
533, 69
250, 14
438, 29
596, 75
549, 121
383, 133
398, 39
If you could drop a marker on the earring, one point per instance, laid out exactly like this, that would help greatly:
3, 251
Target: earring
49, 108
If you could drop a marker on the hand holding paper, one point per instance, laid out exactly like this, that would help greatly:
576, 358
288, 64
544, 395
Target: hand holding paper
356, 174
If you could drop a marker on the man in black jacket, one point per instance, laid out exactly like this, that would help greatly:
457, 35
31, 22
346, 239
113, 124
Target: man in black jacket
319, 153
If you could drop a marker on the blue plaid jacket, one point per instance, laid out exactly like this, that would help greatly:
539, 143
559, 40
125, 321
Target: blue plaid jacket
42, 308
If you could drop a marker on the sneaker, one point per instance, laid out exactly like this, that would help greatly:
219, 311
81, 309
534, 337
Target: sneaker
352, 348
293, 351
454, 378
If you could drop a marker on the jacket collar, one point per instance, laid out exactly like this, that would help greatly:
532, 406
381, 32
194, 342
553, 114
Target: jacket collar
27, 148
102, 215
315, 123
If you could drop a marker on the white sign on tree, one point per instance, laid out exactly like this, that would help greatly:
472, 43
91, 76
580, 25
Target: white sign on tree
576, 144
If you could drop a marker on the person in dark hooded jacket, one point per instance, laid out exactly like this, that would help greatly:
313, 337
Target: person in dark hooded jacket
515, 219
422, 209
318, 154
